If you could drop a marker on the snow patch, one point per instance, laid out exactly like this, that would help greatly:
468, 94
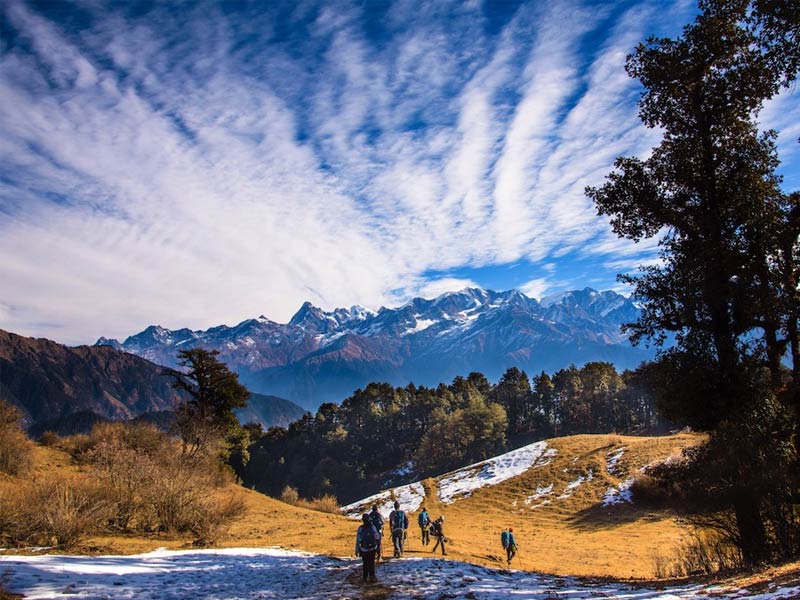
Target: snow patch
463, 482
619, 493
409, 496
420, 325
612, 458
541, 491
573, 485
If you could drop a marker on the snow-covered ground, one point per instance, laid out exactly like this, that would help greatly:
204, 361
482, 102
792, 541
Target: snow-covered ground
272, 573
409, 496
619, 493
460, 483
463, 482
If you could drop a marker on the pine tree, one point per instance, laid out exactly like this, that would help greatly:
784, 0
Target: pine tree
206, 422
710, 190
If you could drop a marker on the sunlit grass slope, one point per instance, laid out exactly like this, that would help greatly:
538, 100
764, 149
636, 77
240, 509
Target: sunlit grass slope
556, 509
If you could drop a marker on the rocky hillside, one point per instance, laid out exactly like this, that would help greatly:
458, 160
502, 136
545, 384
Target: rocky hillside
321, 356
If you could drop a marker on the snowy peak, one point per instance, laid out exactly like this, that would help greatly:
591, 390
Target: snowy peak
103, 341
322, 356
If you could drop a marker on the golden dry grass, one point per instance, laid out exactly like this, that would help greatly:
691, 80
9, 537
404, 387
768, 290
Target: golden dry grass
572, 535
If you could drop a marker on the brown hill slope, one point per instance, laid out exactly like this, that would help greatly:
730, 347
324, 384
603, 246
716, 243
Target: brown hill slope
572, 534
47, 380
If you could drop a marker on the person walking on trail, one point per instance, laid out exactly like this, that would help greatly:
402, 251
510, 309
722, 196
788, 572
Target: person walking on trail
366, 547
425, 526
509, 544
398, 523
377, 521
437, 529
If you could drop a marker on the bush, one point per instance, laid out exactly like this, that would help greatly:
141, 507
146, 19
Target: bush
51, 439
327, 503
59, 511
212, 518
706, 553
11, 503
16, 450
289, 495
138, 480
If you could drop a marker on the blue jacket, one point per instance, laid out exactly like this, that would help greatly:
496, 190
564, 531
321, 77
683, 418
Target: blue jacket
423, 519
505, 537
398, 520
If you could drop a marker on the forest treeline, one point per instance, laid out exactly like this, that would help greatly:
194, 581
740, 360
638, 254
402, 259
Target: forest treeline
383, 434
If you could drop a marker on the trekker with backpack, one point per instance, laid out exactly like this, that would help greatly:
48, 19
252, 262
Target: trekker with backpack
425, 526
398, 523
437, 529
366, 547
377, 522
509, 543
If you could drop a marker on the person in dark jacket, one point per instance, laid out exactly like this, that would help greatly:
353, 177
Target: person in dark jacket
437, 530
377, 521
366, 546
424, 522
398, 523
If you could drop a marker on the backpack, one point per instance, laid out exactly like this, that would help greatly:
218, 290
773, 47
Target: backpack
398, 520
436, 528
423, 519
377, 520
368, 539
505, 539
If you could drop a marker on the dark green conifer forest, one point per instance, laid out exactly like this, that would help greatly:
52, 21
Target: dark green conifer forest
357, 447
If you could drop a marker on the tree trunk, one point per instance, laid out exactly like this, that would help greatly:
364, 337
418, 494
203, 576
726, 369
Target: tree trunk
753, 541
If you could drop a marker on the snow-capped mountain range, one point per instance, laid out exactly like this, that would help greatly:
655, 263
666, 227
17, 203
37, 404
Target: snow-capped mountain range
321, 356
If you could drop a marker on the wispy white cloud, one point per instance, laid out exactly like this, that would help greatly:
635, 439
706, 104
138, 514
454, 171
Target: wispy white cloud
437, 287
536, 288
197, 167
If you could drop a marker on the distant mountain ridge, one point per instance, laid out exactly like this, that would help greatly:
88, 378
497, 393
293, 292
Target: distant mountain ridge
68, 390
321, 356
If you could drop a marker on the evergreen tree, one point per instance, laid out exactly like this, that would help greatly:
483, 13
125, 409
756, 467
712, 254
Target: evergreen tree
206, 421
711, 191
513, 393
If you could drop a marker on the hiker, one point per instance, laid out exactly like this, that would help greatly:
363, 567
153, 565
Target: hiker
377, 522
437, 529
366, 547
425, 526
509, 544
398, 523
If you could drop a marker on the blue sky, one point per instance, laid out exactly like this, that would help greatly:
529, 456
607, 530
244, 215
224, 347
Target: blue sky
191, 164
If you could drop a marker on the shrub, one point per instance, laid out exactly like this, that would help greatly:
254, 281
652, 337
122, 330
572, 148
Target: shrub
179, 489
77, 446
213, 516
16, 450
289, 495
706, 553
58, 511
50, 439
11, 503
126, 474
327, 503
68, 510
